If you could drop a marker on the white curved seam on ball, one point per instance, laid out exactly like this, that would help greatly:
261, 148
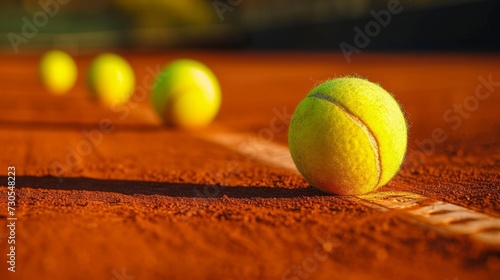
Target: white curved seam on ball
371, 137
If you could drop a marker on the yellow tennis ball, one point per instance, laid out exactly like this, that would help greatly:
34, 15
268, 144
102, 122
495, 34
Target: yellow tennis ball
111, 79
58, 71
186, 94
348, 136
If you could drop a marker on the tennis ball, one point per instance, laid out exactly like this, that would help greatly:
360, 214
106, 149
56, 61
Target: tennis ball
348, 136
58, 71
186, 94
111, 79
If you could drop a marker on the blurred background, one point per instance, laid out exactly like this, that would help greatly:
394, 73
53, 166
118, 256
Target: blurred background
86, 26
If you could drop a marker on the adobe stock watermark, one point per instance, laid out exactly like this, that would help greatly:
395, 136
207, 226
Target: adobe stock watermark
455, 117
221, 7
121, 276
372, 29
213, 191
310, 264
250, 147
94, 137
30, 27
278, 123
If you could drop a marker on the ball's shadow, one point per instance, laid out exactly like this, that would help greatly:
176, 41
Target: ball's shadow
161, 188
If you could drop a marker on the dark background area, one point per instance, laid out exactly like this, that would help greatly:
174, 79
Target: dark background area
466, 26
80, 26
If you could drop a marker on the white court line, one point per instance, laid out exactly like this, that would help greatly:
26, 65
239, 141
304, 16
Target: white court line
441, 216
446, 217
261, 150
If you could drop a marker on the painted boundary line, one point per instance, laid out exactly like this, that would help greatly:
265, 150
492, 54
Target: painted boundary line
255, 148
440, 216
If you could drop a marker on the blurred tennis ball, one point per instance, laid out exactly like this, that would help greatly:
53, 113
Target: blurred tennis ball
111, 79
58, 71
186, 94
348, 136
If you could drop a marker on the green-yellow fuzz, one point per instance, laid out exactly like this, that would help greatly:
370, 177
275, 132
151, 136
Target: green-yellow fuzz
348, 136
111, 79
58, 71
186, 94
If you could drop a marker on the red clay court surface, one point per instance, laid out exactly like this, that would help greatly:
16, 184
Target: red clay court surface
111, 194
